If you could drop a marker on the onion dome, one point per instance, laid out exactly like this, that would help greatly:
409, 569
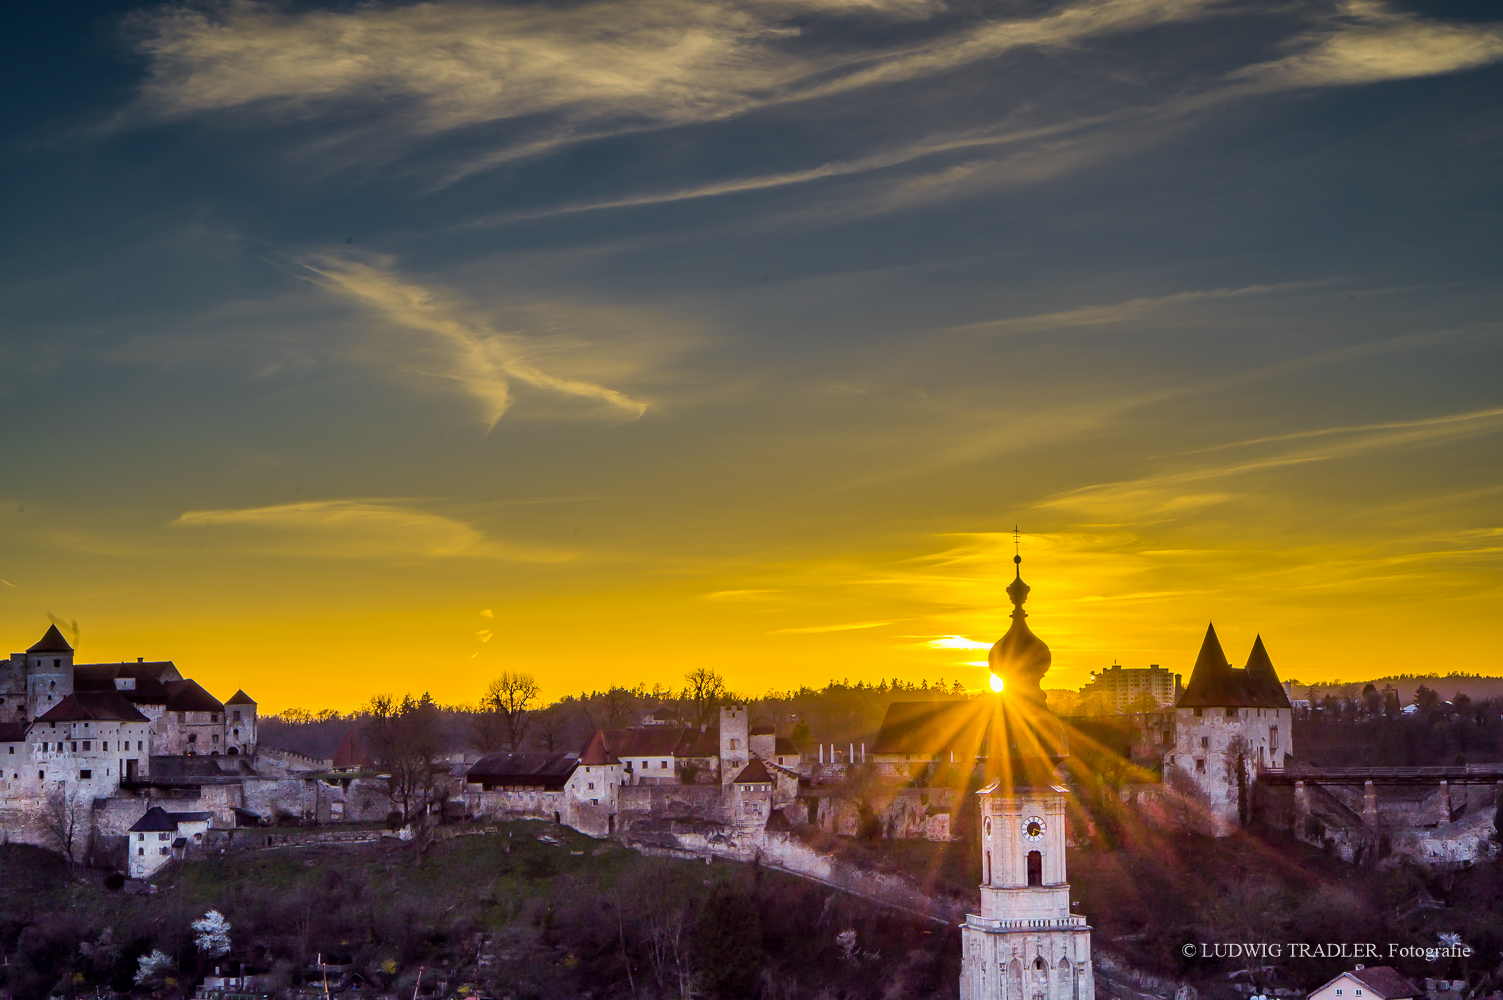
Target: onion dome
1020, 658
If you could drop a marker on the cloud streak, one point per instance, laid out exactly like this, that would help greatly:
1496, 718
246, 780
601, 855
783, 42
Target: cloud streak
355, 529
457, 345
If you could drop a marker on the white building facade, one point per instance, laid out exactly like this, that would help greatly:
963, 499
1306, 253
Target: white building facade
1025, 944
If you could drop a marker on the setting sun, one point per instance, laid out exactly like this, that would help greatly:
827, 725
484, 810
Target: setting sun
996, 683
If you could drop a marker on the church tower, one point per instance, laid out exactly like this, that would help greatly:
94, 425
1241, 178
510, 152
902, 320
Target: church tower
49, 672
1025, 944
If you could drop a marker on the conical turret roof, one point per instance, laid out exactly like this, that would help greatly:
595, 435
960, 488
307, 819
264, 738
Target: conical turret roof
1215, 683
52, 641
1262, 680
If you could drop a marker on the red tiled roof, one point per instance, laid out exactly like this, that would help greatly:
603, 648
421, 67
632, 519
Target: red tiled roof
693, 743
596, 751
351, 753
655, 741
754, 773
1385, 981
545, 770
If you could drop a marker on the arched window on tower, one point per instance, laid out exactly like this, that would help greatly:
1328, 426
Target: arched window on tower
1035, 868
1066, 977
988, 876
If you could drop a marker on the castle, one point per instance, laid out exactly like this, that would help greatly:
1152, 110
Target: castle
133, 764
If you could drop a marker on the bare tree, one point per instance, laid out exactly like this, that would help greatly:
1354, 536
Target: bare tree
548, 728
512, 696
705, 692
65, 822
408, 745
615, 707
488, 729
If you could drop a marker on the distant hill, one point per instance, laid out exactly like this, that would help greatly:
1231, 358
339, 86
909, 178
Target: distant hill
1474, 686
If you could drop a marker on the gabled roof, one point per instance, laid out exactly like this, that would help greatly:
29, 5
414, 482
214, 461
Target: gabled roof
98, 706
152, 670
159, 820
187, 696
1385, 981
596, 752
548, 770
655, 741
1215, 683
783, 747
351, 754
694, 743
761, 731
929, 728
52, 641
754, 773
241, 698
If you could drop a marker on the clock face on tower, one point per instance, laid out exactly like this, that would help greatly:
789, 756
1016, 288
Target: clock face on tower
1033, 828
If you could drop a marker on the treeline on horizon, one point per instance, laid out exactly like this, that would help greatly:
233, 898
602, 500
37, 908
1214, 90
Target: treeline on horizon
839, 713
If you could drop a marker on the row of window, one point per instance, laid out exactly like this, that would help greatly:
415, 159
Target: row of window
103, 745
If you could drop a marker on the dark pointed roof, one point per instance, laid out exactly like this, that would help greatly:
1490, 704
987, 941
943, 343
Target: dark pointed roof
1263, 680
1386, 982
653, 741
754, 773
95, 706
596, 752
1215, 683
241, 698
52, 641
187, 696
351, 754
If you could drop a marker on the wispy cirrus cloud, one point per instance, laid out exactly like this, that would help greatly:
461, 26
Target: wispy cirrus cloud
354, 529
1369, 42
456, 343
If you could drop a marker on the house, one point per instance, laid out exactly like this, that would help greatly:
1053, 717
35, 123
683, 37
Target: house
919, 734
646, 755
1379, 982
160, 836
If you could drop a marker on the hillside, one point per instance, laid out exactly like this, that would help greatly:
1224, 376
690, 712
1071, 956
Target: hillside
569, 917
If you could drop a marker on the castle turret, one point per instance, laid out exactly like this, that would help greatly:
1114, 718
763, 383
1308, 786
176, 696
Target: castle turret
49, 672
240, 724
735, 742
1229, 725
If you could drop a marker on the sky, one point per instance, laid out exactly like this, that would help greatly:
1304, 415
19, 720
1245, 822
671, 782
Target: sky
350, 348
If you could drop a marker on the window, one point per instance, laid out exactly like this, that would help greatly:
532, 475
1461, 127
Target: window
1200, 765
86, 745
1231, 713
140, 836
85, 774
592, 786
1338, 993
163, 852
1205, 743
237, 715
75, 746
1035, 868
192, 737
1359, 992
1199, 712
214, 739
663, 764
161, 836
140, 852
138, 745
40, 775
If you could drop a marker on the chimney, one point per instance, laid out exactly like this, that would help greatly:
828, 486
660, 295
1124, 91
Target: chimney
140, 659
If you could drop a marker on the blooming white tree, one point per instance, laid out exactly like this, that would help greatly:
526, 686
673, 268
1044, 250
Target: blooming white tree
151, 968
212, 934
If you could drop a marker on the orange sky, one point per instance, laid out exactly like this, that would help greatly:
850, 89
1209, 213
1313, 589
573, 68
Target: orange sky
359, 348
